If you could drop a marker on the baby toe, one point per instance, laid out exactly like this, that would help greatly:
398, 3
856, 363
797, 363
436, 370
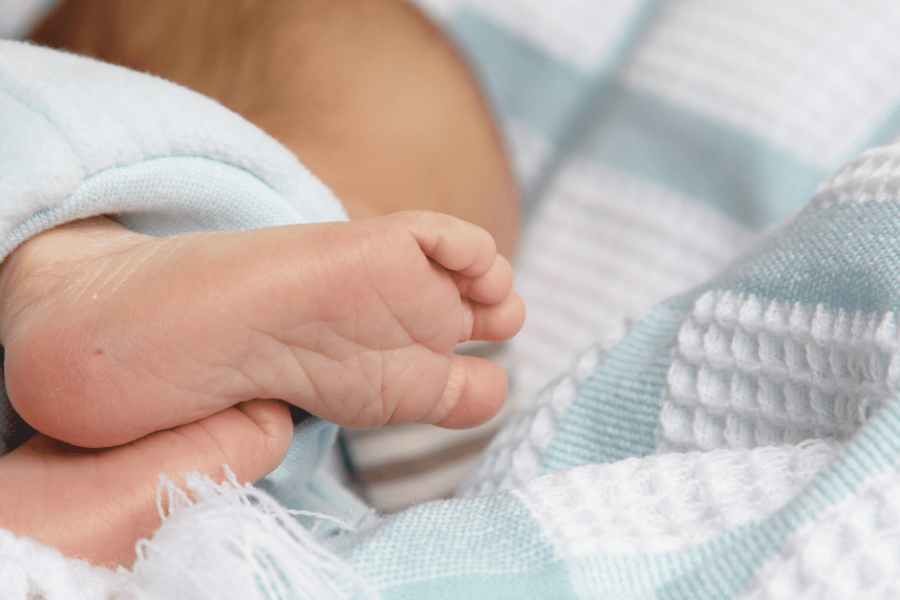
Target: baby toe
476, 390
500, 321
493, 287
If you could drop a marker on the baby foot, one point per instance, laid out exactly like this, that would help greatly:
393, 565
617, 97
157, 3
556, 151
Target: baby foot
111, 335
95, 504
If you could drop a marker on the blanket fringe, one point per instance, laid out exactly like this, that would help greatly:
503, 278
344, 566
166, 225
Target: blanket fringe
233, 541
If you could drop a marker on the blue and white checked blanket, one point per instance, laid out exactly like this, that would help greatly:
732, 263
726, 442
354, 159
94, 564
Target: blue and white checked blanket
740, 439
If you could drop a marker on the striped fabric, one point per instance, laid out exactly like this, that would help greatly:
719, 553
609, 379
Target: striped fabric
734, 433
651, 140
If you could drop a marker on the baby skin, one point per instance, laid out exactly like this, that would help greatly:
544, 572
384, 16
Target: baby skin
355, 322
174, 340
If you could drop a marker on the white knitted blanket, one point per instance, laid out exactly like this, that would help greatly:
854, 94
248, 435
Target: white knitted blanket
740, 439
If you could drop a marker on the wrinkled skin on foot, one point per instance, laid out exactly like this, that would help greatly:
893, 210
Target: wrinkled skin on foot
111, 335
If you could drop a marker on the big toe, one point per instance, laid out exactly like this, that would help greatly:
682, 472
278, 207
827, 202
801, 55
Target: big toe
475, 392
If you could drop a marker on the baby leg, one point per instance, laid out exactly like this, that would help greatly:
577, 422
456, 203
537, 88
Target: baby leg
110, 335
367, 93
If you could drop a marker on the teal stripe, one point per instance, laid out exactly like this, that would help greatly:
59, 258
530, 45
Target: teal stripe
730, 171
552, 98
844, 256
521, 79
616, 414
749, 179
487, 548
526, 82
641, 576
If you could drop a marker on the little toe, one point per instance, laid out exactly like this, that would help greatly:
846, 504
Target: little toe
454, 244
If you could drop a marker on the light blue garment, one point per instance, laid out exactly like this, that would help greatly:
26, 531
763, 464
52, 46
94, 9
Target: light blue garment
80, 138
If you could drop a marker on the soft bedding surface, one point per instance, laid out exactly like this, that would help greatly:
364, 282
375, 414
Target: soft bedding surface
727, 422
